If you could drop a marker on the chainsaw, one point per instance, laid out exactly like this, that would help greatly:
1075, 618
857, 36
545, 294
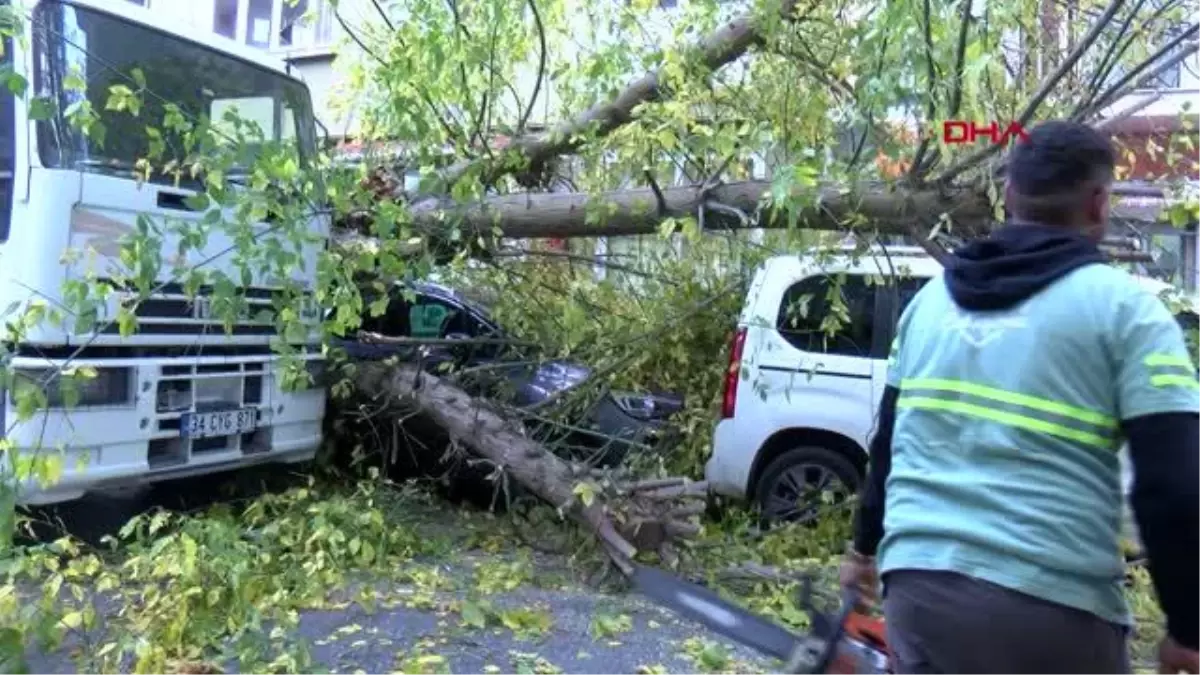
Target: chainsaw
844, 641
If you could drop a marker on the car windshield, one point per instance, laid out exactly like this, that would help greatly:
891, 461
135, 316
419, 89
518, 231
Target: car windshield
81, 54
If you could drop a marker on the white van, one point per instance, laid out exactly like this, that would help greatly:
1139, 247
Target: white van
799, 407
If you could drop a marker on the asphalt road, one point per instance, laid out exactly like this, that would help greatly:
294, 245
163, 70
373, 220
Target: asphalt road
395, 635
391, 639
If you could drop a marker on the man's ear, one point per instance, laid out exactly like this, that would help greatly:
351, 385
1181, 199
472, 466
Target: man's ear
1097, 206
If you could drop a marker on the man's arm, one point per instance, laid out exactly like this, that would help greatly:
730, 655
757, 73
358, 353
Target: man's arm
868, 521
1164, 449
1158, 397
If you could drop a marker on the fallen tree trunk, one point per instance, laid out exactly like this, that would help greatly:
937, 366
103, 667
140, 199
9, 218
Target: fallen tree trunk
729, 206
732, 206
963, 212
626, 518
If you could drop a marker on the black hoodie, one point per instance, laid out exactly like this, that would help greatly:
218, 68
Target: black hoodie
999, 272
1014, 263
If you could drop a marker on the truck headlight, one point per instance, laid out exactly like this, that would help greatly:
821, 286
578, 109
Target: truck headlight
79, 387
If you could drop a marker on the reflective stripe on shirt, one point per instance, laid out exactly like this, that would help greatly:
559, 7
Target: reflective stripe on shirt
1161, 367
951, 396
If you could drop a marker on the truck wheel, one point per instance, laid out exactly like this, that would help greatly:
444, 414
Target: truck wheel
797, 484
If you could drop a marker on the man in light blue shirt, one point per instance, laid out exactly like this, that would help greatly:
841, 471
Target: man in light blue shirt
994, 499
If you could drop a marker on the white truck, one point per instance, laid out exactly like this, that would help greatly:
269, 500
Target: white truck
181, 396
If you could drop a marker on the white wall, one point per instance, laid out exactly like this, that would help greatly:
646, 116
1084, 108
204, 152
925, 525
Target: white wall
197, 14
318, 67
325, 82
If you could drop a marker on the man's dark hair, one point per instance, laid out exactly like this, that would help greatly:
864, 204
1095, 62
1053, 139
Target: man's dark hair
1056, 169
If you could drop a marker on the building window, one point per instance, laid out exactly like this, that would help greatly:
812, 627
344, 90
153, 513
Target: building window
275, 24
1166, 80
291, 16
309, 24
225, 18
258, 24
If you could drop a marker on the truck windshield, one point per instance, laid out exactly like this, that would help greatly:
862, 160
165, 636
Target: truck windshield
81, 54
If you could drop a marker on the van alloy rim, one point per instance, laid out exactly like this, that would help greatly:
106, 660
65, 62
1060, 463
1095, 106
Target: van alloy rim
797, 494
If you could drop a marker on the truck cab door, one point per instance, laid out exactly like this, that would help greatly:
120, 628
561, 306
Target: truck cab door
8, 146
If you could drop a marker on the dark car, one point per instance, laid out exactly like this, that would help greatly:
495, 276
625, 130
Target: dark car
599, 428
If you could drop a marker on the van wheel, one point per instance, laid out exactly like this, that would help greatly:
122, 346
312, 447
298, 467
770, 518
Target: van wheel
796, 485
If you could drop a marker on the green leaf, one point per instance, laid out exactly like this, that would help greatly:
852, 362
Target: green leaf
41, 108
14, 82
473, 615
72, 620
126, 321
74, 82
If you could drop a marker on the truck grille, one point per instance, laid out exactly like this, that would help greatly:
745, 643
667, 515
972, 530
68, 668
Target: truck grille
202, 388
171, 312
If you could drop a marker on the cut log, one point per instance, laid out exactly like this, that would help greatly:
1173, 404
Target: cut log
616, 515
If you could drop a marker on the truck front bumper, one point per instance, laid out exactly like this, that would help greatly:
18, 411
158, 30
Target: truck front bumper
59, 454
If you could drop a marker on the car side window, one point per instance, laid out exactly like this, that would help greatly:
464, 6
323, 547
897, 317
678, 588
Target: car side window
427, 317
830, 315
907, 289
420, 317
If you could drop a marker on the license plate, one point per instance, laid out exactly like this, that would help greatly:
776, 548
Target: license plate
222, 423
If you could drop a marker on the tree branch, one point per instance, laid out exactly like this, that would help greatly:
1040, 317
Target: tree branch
930, 67
384, 15
451, 132
721, 47
1040, 95
1112, 57
541, 74
1131, 79
919, 168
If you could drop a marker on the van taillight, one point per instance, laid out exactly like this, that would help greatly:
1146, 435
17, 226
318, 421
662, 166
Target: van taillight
733, 374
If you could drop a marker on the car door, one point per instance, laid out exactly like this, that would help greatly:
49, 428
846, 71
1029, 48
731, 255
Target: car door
445, 321
414, 316
818, 361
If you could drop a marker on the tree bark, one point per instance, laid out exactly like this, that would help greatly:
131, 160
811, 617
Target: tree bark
730, 206
614, 515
